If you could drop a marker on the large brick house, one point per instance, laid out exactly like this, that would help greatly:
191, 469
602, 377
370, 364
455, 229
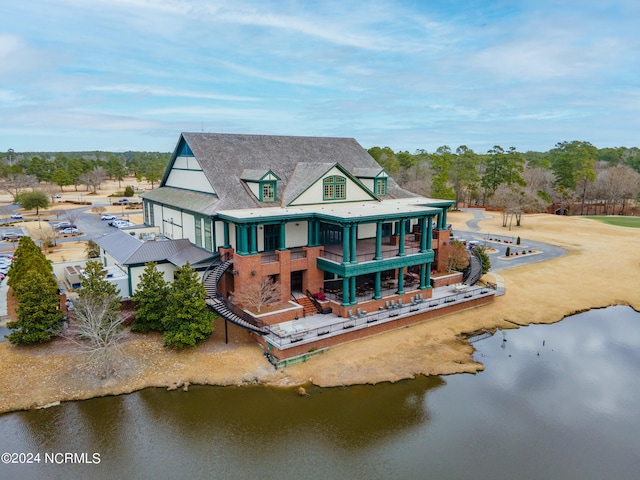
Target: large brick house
317, 215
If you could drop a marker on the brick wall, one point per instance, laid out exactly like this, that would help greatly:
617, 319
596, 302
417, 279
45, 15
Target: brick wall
372, 329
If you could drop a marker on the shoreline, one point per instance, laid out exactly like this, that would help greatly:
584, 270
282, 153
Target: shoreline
601, 268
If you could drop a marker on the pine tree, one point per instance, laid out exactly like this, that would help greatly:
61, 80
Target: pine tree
188, 319
28, 257
39, 314
151, 297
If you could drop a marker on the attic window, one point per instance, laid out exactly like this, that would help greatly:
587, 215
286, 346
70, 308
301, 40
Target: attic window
381, 186
334, 188
267, 191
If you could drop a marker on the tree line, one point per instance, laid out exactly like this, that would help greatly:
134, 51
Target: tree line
24, 171
574, 176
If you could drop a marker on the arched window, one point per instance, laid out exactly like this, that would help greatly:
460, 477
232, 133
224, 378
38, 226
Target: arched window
335, 188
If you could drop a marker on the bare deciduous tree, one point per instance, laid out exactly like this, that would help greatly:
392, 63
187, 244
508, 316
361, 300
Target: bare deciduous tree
259, 293
457, 257
72, 215
94, 178
44, 234
98, 333
15, 183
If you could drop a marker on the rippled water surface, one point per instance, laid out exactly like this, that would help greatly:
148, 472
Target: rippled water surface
555, 401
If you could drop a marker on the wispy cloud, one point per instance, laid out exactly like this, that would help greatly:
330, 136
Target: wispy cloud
404, 74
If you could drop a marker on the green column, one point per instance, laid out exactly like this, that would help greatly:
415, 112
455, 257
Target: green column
401, 236
346, 229
444, 218
354, 240
423, 276
429, 233
401, 280
243, 241
283, 238
345, 292
310, 231
378, 255
253, 239
423, 234
427, 280
352, 290
316, 233
376, 288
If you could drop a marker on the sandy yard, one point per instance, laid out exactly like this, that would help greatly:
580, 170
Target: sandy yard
601, 268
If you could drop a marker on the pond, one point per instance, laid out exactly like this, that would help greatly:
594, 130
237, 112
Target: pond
554, 401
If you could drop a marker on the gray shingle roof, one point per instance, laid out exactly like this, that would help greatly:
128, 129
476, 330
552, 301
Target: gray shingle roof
128, 250
204, 203
366, 172
224, 158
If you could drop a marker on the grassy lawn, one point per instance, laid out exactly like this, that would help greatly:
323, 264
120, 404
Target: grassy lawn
633, 222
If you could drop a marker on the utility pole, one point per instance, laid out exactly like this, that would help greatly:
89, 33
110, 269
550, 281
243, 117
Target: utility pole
10, 152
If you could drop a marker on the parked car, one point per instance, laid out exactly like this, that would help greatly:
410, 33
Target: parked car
108, 216
12, 236
69, 231
122, 224
115, 219
59, 225
57, 196
16, 216
123, 200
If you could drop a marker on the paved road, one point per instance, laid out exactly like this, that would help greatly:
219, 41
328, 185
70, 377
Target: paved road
473, 233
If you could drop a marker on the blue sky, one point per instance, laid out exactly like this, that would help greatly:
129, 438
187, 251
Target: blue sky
132, 74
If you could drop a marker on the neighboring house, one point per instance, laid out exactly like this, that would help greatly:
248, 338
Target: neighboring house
317, 215
120, 250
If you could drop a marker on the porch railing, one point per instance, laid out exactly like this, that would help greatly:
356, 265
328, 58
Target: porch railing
368, 257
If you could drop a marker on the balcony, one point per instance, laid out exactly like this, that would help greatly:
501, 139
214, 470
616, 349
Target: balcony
366, 250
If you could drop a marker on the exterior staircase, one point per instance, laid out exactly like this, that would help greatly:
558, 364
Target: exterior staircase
474, 272
307, 304
224, 308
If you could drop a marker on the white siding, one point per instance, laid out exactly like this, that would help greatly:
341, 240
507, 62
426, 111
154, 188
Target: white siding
189, 227
171, 223
187, 163
167, 270
189, 180
314, 194
367, 230
157, 216
296, 233
368, 182
255, 188
219, 233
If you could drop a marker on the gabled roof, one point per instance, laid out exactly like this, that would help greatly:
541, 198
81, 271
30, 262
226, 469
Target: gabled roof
252, 175
368, 172
224, 159
128, 250
306, 174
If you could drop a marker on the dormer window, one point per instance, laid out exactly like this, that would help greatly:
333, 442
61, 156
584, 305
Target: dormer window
334, 188
262, 183
381, 186
267, 191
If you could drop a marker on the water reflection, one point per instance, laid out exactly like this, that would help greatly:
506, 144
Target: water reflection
345, 417
556, 401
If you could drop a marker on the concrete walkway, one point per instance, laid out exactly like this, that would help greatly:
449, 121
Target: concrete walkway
472, 233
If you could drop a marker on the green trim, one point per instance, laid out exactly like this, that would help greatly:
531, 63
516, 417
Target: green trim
271, 183
384, 184
346, 174
262, 178
354, 269
188, 169
333, 183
